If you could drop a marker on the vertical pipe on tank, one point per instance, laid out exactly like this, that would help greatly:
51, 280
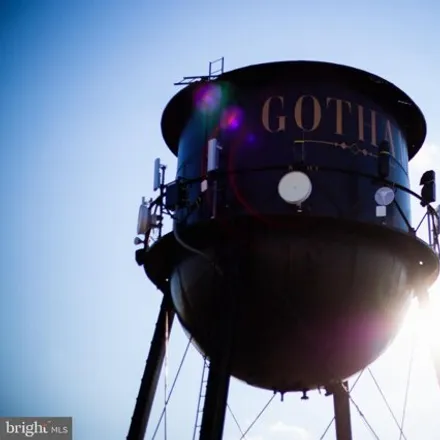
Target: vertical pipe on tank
153, 366
341, 402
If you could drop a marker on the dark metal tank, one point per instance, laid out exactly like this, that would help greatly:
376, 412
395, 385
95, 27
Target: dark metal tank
320, 288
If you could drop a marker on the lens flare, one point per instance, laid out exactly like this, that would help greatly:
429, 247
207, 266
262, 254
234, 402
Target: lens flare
251, 138
207, 97
231, 119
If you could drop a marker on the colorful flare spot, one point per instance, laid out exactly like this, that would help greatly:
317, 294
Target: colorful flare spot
251, 138
207, 97
231, 118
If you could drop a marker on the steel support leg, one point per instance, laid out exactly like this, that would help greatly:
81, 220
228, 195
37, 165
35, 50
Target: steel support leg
153, 367
341, 401
217, 389
216, 400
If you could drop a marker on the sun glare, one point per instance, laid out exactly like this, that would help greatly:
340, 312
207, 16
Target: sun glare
424, 320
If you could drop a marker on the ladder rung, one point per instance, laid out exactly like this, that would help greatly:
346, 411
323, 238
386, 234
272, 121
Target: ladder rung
202, 396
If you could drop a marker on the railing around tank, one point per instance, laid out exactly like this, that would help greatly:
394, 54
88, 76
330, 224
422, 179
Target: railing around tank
431, 216
175, 193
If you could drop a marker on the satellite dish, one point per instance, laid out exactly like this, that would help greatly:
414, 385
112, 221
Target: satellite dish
384, 196
295, 187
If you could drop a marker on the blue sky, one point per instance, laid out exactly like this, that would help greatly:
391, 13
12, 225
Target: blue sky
82, 88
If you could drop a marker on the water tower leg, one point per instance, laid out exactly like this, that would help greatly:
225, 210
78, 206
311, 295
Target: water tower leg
217, 389
341, 402
153, 367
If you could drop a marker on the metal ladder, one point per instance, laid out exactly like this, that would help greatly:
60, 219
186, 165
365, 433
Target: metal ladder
216, 68
213, 73
201, 402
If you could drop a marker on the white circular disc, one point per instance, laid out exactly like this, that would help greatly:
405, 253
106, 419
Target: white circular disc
384, 196
295, 187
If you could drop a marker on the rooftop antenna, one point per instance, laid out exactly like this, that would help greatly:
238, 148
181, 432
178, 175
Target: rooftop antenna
156, 175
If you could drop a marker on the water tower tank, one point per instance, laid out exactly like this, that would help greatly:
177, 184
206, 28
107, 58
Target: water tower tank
321, 275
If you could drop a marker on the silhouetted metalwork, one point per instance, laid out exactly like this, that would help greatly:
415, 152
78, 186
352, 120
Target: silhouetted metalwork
302, 169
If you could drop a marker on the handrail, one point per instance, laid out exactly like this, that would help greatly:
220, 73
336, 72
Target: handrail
432, 215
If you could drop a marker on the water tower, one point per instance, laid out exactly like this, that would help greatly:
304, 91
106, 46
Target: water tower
292, 257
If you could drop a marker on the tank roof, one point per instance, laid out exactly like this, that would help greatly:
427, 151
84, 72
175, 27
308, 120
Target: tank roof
386, 94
